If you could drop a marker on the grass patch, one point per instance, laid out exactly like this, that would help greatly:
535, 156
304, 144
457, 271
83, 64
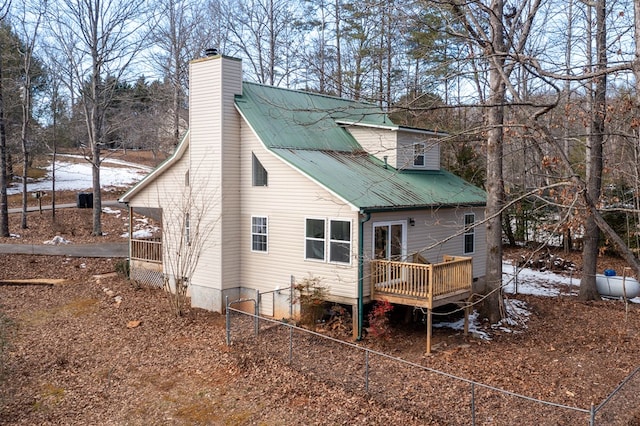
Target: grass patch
32, 172
76, 308
49, 395
80, 307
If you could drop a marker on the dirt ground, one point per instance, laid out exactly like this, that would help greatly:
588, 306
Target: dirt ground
72, 354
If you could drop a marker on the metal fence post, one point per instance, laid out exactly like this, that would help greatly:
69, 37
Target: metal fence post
473, 403
227, 320
366, 371
290, 344
592, 416
256, 308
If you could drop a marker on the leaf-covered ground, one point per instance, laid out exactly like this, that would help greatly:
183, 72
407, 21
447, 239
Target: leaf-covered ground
97, 350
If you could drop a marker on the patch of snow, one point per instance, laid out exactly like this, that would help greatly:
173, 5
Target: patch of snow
77, 176
14, 235
57, 240
109, 210
474, 328
140, 233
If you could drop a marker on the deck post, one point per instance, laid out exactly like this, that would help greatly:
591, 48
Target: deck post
355, 314
466, 319
428, 331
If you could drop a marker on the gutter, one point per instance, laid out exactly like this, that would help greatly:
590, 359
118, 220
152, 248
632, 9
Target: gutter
366, 216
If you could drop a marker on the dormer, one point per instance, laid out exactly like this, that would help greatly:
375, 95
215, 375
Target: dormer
403, 148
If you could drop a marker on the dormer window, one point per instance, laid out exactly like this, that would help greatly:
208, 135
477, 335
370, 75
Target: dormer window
419, 150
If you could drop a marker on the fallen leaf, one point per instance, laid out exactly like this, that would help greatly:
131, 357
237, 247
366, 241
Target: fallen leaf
133, 324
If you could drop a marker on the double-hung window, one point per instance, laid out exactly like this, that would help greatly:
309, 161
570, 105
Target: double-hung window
419, 150
336, 240
259, 233
469, 233
314, 239
340, 241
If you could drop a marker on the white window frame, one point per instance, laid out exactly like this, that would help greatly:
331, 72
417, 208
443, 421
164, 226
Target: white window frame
389, 223
327, 242
324, 239
258, 171
331, 241
265, 234
471, 232
187, 229
420, 153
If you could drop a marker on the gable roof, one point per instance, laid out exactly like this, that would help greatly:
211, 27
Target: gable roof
307, 131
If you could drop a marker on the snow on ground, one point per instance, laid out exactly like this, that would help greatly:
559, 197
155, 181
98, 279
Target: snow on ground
521, 281
76, 176
142, 229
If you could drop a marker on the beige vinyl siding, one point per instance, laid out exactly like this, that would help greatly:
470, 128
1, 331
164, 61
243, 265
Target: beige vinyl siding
214, 130
431, 235
287, 201
406, 141
378, 142
158, 193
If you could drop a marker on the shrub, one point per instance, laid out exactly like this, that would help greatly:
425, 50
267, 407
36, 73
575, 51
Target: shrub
379, 320
122, 268
311, 295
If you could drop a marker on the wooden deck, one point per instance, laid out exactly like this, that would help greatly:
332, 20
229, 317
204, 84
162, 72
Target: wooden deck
148, 250
423, 285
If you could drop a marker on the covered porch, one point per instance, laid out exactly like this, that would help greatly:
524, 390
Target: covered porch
423, 285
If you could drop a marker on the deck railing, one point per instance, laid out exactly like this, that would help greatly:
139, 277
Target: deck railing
422, 281
148, 250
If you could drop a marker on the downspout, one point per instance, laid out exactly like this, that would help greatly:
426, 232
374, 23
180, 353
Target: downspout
365, 216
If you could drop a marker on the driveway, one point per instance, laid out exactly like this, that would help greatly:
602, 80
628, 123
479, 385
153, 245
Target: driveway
110, 250
78, 250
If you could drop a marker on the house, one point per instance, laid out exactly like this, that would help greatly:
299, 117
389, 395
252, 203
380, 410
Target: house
291, 185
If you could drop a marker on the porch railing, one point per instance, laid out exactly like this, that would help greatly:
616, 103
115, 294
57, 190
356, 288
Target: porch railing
426, 282
148, 250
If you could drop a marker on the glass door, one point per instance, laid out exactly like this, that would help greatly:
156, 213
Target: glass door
389, 241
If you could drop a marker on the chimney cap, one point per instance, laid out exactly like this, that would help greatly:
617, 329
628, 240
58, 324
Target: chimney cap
211, 51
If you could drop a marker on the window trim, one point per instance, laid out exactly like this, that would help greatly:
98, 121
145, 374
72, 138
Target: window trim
417, 154
266, 233
327, 241
471, 232
258, 169
324, 239
187, 229
330, 240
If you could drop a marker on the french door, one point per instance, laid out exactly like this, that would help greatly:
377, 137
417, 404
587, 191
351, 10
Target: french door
390, 240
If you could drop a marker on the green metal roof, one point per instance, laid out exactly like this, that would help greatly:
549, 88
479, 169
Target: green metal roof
302, 129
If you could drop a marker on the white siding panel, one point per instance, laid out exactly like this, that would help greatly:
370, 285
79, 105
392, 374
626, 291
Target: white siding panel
287, 201
405, 151
214, 129
432, 236
378, 142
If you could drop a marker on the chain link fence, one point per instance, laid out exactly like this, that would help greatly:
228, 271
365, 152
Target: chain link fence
421, 391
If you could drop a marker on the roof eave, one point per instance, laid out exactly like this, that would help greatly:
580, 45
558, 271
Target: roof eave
393, 128
173, 158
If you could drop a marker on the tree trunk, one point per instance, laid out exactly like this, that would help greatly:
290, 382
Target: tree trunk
588, 290
4, 206
495, 185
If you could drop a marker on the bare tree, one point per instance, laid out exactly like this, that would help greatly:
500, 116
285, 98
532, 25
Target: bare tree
187, 233
30, 19
502, 36
180, 36
266, 34
4, 204
100, 39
